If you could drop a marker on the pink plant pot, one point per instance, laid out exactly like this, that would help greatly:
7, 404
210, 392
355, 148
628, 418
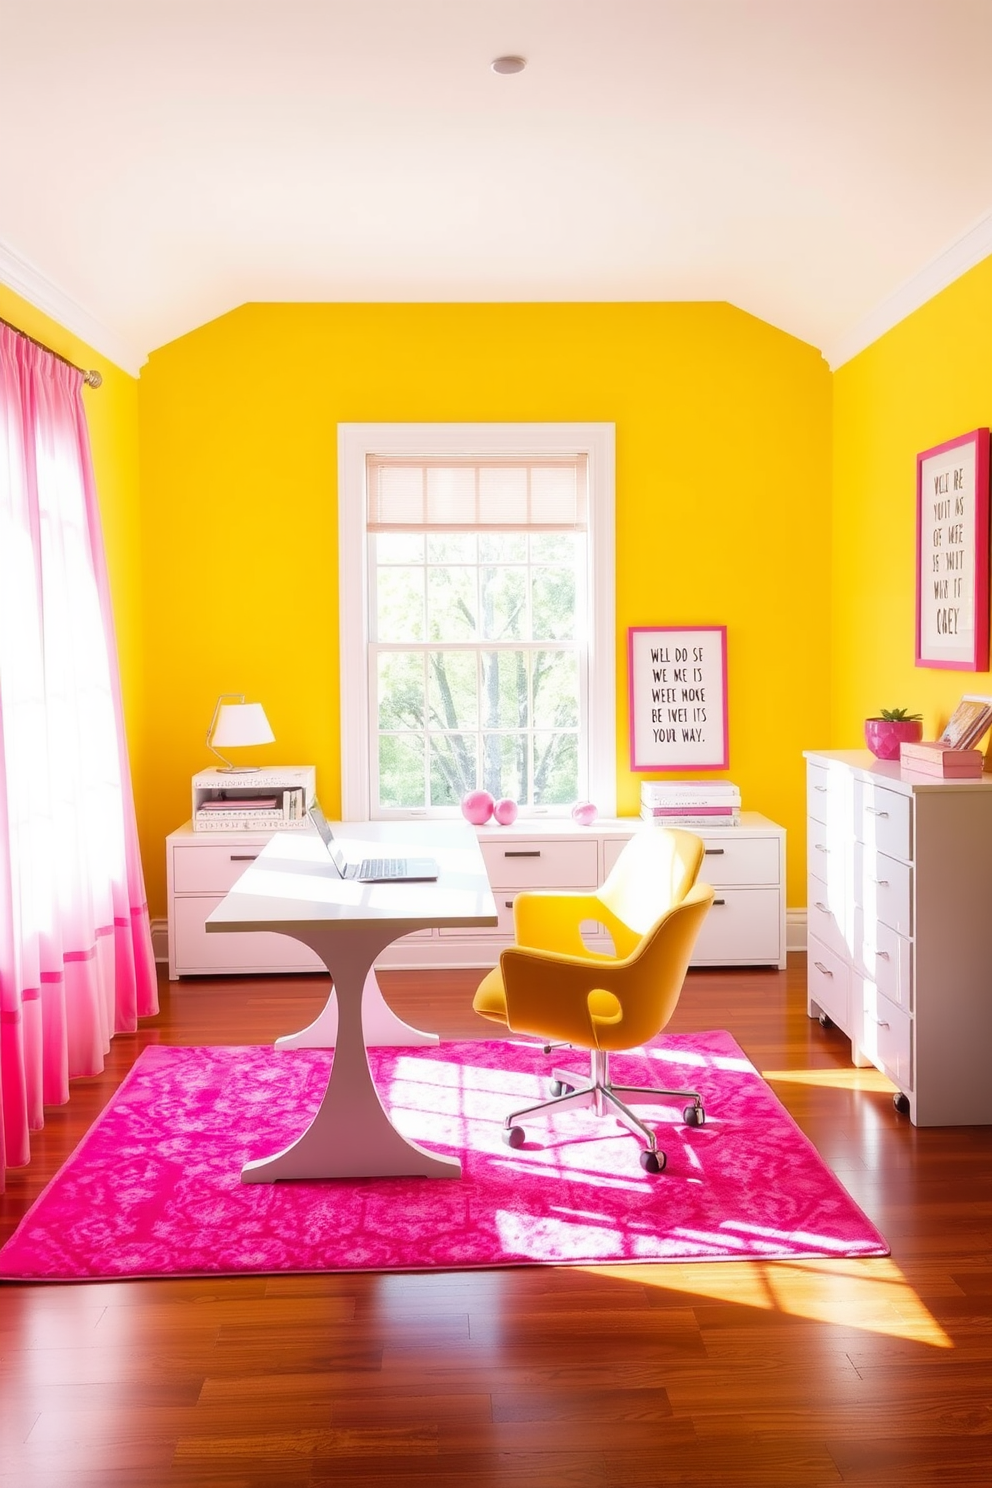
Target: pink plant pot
505, 812
884, 735
477, 807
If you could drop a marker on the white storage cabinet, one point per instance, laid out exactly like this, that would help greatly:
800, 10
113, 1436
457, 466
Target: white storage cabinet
899, 917
745, 927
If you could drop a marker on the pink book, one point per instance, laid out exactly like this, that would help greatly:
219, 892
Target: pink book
692, 810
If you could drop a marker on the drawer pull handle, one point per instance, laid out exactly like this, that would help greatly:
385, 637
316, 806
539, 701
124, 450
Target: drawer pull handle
714, 852
822, 907
821, 788
825, 969
883, 955
531, 852
508, 903
881, 1023
243, 857
872, 812
820, 847
881, 883
719, 901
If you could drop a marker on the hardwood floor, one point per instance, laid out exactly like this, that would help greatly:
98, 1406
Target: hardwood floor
815, 1373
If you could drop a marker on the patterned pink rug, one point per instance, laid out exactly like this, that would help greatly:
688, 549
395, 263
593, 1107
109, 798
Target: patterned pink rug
154, 1188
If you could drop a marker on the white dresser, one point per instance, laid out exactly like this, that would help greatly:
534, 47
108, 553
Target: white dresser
745, 927
899, 908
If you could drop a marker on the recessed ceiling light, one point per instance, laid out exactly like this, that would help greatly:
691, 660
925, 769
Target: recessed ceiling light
509, 64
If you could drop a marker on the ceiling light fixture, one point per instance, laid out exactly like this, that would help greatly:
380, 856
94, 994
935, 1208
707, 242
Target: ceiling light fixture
509, 64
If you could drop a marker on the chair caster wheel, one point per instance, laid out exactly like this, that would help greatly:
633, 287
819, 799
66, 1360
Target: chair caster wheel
558, 1087
514, 1136
653, 1162
901, 1103
693, 1115
824, 1021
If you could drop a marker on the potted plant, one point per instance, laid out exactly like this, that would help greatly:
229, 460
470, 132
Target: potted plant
893, 727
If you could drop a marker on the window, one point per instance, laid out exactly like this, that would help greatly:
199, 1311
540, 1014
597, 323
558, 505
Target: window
476, 616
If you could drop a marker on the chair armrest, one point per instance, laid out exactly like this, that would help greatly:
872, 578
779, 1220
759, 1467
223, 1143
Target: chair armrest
549, 921
547, 992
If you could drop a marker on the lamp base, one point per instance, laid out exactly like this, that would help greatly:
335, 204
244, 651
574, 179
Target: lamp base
238, 769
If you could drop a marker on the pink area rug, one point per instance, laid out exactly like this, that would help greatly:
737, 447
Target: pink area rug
154, 1188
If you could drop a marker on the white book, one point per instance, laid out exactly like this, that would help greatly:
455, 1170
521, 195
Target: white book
210, 822
691, 823
660, 790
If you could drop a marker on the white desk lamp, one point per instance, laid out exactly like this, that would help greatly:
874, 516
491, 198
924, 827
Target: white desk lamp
235, 724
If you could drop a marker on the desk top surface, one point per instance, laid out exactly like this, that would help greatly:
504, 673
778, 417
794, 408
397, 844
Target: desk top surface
293, 882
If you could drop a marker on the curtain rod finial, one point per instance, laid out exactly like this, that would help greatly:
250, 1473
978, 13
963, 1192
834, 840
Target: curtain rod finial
92, 379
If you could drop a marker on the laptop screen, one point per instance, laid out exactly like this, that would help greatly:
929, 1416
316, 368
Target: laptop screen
323, 827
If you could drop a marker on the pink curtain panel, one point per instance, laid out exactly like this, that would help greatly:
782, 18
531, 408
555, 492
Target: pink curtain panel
76, 962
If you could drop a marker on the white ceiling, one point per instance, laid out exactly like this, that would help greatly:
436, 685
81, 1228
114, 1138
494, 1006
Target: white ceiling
165, 160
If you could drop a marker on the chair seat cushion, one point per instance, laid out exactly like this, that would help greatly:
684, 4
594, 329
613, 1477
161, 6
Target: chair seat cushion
490, 999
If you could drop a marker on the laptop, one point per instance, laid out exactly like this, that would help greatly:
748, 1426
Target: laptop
380, 869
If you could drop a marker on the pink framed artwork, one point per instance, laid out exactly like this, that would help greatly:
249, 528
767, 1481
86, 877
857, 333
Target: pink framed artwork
677, 681
952, 554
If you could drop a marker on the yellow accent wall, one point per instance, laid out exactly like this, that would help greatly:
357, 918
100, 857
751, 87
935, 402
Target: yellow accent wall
723, 491
112, 417
927, 380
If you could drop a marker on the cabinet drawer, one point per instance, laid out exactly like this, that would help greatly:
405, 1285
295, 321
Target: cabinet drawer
612, 848
817, 792
828, 982
827, 916
886, 959
883, 888
502, 931
888, 1036
743, 927
212, 868
743, 860
883, 820
247, 951
827, 853
519, 864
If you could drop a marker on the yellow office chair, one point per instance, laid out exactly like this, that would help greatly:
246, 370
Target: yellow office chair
550, 985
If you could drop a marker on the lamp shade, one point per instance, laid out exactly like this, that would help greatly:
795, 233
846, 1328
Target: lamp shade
241, 723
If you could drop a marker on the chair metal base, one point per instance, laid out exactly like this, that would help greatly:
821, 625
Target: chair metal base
607, 1098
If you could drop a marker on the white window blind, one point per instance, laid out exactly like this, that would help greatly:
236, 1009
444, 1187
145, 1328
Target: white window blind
417, 495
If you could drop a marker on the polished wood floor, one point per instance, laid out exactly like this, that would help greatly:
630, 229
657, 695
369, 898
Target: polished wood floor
873, 1373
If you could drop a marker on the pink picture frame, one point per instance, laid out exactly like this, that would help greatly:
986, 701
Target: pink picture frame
677, 697
952, 554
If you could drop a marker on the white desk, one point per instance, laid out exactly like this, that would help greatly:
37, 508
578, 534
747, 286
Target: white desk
292, 888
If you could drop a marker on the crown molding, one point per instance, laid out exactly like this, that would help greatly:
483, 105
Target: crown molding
941, 271
32, 285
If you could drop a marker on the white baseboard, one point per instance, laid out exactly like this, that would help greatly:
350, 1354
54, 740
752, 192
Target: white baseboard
795, 930
160, 939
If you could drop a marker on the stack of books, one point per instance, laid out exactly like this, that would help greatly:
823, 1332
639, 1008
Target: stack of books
253, 800
241, 811
943, 760
692, 804
953, 756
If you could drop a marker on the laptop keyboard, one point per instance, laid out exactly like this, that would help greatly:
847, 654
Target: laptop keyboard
382, 868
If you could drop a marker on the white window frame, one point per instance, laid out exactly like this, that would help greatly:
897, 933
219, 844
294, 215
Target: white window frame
597, 441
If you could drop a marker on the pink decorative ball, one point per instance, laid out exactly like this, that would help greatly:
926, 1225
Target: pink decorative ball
477, 807
585, 813
505, 812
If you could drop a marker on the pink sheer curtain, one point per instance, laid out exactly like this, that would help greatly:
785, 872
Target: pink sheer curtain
76, 961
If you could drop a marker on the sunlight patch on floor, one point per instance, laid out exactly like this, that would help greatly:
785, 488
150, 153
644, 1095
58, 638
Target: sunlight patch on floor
871, 1294
833, 1079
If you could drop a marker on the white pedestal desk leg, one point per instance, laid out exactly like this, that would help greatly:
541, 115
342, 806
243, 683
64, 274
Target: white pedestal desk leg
382, 1026
351, 1136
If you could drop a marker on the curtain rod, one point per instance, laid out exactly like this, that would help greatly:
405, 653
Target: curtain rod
91, 378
